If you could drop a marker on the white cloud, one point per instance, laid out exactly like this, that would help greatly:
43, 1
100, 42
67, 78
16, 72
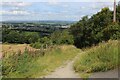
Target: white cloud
53, 2
14, 12
14, 8
65, 11
3, 12
15, 4
65, 5
83, 7
20, 12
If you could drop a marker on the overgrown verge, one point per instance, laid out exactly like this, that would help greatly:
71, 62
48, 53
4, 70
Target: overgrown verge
32, 64
103, 57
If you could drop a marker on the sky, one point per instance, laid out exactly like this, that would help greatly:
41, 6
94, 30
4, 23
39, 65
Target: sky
50, 9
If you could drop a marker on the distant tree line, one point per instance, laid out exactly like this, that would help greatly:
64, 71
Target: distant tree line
14, 36
35, 39
98, 28
56, 38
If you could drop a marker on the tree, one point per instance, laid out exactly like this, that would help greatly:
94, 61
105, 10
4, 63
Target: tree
62, 37
13, 37
111, 32
31, 37
98, 28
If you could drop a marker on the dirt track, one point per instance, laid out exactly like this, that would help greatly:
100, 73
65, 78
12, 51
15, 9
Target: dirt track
64, 71
68, 72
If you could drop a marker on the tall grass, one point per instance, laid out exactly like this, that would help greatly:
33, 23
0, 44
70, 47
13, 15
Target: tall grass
103, 57
32, 64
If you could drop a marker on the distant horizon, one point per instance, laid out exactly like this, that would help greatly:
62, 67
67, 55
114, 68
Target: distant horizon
38, 21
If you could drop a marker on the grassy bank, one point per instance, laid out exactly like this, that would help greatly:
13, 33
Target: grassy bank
103, 57
36, 64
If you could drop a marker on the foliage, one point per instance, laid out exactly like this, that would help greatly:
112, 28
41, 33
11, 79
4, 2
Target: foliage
31, 37
111, 32
100, 58
34, 38
98, 28
36, 45
62, 37
56, 38
14, 36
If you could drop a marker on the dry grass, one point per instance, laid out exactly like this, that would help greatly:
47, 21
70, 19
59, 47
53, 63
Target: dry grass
15, 48
32, 66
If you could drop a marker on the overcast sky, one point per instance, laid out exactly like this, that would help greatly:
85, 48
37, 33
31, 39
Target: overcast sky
50, 9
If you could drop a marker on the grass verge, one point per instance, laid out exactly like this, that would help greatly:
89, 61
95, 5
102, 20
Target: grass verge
103, 57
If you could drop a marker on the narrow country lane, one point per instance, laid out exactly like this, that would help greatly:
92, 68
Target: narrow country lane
65, 72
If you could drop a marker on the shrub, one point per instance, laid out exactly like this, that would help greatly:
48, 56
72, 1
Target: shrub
36, 45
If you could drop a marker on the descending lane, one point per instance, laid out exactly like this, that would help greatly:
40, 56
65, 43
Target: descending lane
65, 71
68, 72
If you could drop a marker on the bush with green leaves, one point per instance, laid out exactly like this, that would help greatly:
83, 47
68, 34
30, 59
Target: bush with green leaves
62, 37
56, 38
15, 36
97, 28
42, 43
